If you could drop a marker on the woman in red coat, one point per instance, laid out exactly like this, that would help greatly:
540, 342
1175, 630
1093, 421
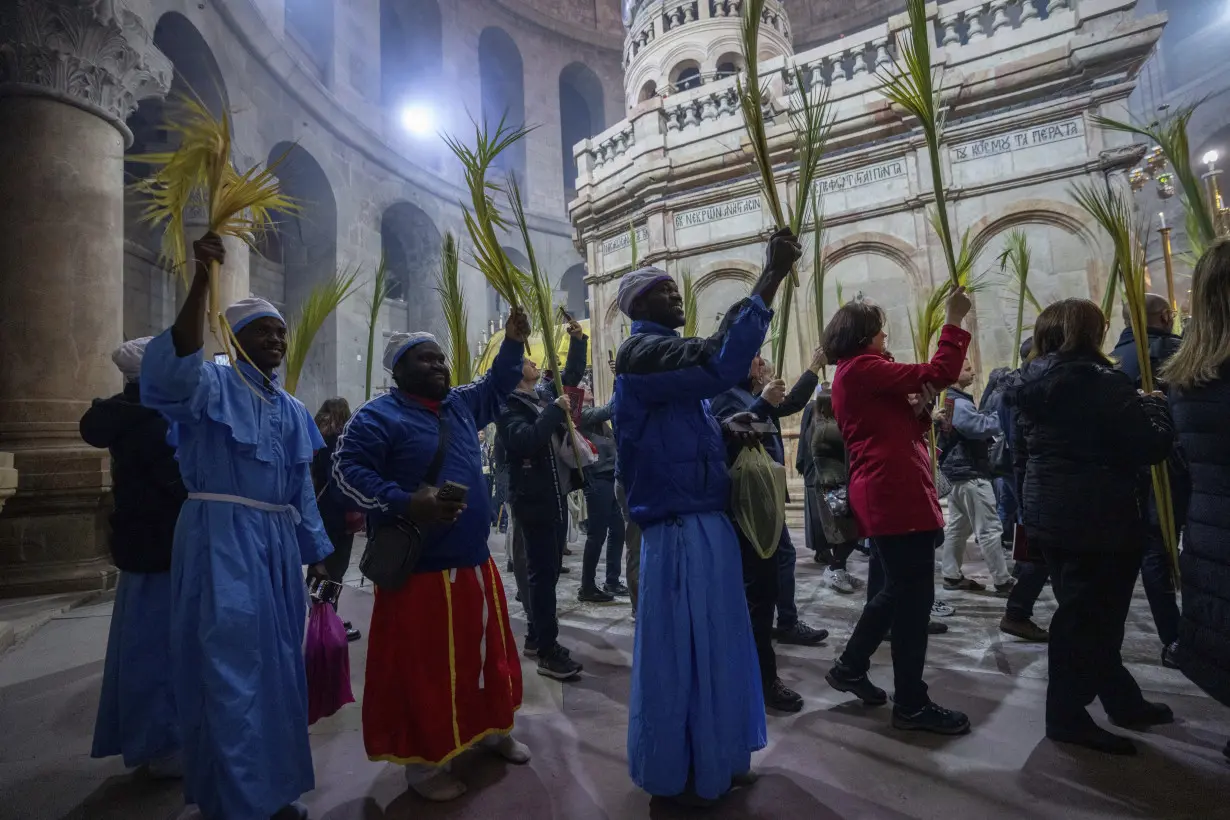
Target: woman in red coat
882, 409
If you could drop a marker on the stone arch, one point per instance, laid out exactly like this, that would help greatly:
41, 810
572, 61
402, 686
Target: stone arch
685, 75
572, 283
309, 26
149, 289
411, 51
502, 79
1032, 211
877, 244
411, 245
883, 268
728, 64
648, 91
718, 286
581, 116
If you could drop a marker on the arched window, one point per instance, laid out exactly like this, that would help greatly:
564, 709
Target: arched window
411, 55
411, 245
581, 116
502, 79
729, 65
309, 24
648, 91
577, 292
685, 76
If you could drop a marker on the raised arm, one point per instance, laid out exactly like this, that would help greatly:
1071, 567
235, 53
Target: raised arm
975, 424
597, 415
896, 379
578, 347
486, 395
795, 400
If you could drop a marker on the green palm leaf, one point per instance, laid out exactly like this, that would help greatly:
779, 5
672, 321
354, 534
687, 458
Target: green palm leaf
380, 292
691, 310
456, 317
1014, 263
321, 301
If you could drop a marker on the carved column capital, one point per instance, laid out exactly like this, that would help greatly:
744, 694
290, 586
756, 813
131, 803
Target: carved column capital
94, 54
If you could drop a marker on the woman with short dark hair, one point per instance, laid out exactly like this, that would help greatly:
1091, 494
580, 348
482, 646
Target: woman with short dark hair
1083, 439
882, 410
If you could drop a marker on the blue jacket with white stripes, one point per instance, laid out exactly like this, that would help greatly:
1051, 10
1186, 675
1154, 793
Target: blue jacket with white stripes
384, 453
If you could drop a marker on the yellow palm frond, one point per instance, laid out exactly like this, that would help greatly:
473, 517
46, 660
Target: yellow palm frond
321, 301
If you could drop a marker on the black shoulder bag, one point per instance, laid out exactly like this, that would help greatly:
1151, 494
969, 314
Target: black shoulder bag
393, 550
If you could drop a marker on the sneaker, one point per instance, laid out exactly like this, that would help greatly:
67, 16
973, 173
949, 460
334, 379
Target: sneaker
963, 584
1093, 737
593, 595
1146, 714
529, 648
507, 747
1026, 630
440, 787
558, 665
1005, 589
800, 635
352, 634
1170, 656
861, 687
839, 580
782, 698
617, 589
563, 570
942, 609
931, 718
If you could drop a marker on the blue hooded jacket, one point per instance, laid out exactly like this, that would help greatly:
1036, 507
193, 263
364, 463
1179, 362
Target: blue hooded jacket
383, 455
672, 459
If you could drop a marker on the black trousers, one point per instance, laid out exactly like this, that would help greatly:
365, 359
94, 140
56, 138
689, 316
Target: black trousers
1030, 581
901, 590
1160, 587
1094, 591
760, 585
606, 525
339, 561
540, 542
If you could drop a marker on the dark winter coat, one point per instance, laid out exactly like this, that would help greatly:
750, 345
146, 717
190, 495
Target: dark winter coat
596, 426
828, 453
740, 399
1200, 419
803, 462
1082, 440
1162, 345
146, 485
965, 448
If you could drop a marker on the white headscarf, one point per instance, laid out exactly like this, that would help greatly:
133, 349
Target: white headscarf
246, 311
399, 343
127, 357
636, 283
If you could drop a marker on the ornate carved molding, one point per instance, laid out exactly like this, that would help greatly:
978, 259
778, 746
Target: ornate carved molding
96, 54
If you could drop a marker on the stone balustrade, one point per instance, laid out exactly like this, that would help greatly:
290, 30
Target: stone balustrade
720, 99
616, 145
978, 20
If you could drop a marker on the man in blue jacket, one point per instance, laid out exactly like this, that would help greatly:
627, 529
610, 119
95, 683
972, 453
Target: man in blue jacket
697, 709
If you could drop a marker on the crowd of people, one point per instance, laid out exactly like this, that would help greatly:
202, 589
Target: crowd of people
228, 493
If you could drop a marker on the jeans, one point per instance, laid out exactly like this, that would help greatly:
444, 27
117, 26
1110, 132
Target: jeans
901, 598
760, 577
1159, 587
540, 542
971, 510
632, 546
1005, 503
606, 523
787, 611
1030, 579
1094, 591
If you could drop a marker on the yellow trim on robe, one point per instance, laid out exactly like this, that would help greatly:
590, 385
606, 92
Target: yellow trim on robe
420, 761
452, 656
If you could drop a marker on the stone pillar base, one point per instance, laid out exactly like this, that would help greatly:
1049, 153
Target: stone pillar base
54, 531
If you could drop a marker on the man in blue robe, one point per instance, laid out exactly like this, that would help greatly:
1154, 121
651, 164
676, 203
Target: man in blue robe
697, 710
249, 525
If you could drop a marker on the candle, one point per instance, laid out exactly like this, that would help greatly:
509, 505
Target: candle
1162, 216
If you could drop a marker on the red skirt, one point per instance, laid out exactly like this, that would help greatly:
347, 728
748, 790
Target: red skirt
442, 667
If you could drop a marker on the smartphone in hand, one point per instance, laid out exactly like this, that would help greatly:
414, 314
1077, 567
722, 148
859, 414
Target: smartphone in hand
452, 491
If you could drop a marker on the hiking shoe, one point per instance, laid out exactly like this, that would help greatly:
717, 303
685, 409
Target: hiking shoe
1026, 630
839, 580
1093, 737
963, 584
617, 589
861, 687
782, 698
931, 718
1146, 714
558, 665
529, 648
800, 635
942, 609
1170, 656
593, 595
1005, 589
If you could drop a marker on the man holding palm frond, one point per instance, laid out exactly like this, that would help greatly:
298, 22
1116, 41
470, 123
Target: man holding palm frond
249, 525
695, 635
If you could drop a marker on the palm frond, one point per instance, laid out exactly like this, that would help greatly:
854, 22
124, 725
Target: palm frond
482, 218
691, 309
636, 253
321, 301
1014, 263
751, 101
910, 83
380, 292
819, 267
841, 298
1170, 133
456, 317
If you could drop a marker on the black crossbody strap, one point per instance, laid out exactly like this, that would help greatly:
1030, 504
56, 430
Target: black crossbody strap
437, 461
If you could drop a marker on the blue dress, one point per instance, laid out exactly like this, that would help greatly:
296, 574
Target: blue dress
136, 710
238, 598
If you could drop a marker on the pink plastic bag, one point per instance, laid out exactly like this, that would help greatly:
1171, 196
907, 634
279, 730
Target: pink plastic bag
326, 655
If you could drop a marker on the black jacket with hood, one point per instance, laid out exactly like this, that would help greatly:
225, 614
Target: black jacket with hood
1082, 441
146, 485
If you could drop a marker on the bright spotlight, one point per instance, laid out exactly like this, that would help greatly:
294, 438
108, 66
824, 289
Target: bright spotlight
418, 120
1210, 158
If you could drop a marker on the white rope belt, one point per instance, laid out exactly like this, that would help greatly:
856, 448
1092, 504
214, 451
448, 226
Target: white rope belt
263, 506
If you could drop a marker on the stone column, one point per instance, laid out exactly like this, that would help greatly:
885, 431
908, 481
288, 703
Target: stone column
71, 71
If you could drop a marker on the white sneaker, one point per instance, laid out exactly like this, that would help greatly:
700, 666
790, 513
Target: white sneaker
839, 581
507, 747
438, 787
939, 609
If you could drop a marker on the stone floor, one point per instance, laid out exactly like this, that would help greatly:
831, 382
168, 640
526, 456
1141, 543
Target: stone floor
834, 760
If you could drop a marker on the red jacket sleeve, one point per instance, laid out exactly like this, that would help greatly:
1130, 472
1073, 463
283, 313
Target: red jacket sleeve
886, 377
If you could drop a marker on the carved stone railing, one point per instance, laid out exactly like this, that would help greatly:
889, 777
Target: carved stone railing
721, 100
980, 20
614, 146
680, 14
